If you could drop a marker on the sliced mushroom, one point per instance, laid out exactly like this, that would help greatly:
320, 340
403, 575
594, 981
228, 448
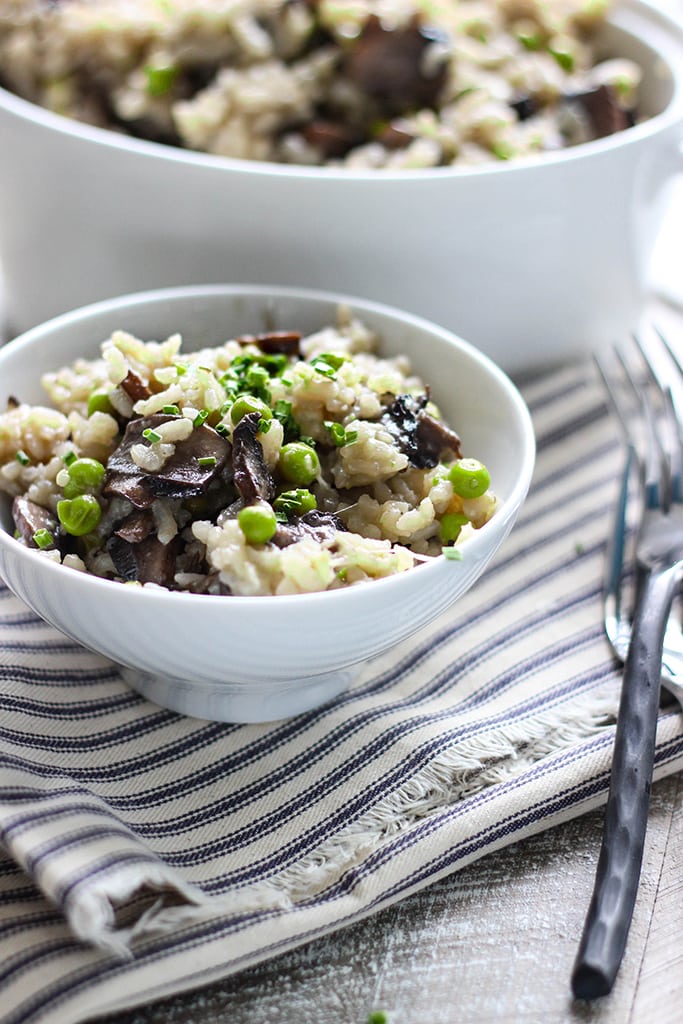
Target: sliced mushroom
393, 136
148, 561
319, 526
603, 111
274, 342
418, 435
137, 526
135, 387
435, 439
330, 138
525, 106
388, 64
29, 518
195, 464
251, 475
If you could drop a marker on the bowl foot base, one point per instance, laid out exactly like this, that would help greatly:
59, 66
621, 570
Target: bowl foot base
239, 702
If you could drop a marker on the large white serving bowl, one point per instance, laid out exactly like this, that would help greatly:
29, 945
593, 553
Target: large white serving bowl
260, 658
532, 261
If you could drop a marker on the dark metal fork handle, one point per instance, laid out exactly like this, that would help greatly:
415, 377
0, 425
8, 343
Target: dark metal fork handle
616, 881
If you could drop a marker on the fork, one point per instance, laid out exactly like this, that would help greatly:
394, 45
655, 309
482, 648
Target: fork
651, 647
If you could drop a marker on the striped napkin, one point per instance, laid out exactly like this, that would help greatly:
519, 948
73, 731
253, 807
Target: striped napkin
146, 853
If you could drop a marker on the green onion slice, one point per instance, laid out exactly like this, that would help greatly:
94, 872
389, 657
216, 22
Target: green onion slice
43, 539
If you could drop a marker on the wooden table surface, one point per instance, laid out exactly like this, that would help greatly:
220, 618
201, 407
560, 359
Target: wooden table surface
494, 942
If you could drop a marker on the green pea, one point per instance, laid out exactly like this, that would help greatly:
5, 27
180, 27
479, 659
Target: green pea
299, 463
470, 478
257, 523
79, 515
84, 475
245, 404
451, 525
99, 402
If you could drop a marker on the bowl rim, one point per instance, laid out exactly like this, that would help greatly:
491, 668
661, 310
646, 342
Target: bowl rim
644, 13
478, 543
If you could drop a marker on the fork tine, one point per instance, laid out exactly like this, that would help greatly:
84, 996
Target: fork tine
629, 400
615, 560
669, 374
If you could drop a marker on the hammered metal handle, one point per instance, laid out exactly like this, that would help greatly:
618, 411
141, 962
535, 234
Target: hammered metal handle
616, 882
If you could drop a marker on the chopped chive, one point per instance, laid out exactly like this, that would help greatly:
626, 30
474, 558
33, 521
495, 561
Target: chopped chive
160, 79
222, 429
563, 58
336, 432
69, 458
22, 457
200, 418
287, 381
43, 539
181, 369
340, 436
295, 503
151, 435
327, 364
264, 425
452, 554
207, 460
170, 410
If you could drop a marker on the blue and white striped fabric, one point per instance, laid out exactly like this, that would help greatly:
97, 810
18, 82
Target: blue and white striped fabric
146, 853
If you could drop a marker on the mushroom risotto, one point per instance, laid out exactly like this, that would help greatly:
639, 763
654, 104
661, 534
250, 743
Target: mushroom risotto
358, 83
270, 464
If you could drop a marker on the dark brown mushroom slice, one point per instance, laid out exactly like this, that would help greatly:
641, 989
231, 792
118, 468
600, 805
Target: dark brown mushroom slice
418, 435
29, 518
331, 138
134, 489
393, 137
148, 561
435, 439
135, 387
195, 463
137, 526
388, 64
251, 475
525, 106
319, 526
274, 343
605, 114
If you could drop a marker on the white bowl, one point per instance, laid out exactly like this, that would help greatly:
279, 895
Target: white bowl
259, 658
532, 261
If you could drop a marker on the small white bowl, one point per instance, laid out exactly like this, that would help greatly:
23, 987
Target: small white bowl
261, 658
533, 260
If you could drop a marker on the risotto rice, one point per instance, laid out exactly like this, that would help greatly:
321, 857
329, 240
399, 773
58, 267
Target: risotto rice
269, 464
355, 83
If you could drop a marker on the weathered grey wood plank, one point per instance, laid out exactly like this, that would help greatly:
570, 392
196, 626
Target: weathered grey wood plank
495, 942
659, 995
